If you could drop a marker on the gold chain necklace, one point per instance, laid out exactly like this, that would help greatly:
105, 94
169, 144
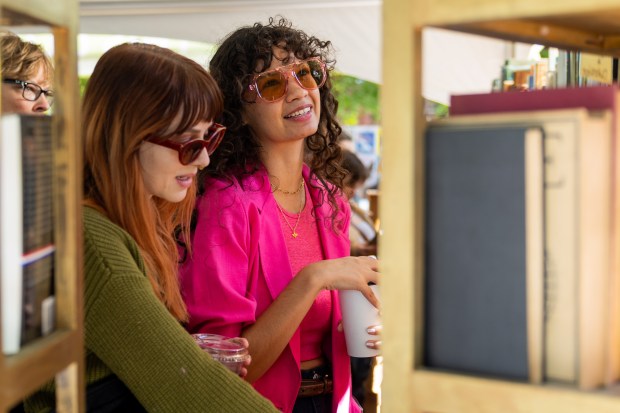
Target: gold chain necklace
285, 192
293, 229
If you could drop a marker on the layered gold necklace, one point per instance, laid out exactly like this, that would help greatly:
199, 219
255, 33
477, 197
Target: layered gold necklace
285, 192
293, 228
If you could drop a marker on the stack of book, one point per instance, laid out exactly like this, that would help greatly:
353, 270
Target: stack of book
522, 239
26, 230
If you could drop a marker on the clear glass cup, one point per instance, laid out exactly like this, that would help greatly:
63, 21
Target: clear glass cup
230, 353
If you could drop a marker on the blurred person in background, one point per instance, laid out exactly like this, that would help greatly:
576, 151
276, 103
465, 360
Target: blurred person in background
27, 76
362, 232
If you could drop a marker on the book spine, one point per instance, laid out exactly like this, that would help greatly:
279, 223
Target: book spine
535, 235
595, 255
560, 344
38, 225
27, 241
11, 232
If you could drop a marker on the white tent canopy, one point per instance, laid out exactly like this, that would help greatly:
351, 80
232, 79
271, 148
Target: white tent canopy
353, 26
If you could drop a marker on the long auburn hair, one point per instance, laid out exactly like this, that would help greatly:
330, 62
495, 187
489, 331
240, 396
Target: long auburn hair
137, 90
242, 54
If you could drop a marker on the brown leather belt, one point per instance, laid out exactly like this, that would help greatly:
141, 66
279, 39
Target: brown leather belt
316, 387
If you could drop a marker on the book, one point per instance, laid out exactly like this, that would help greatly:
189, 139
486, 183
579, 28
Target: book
596, 69
484, 255
26, 229
593, 98
578, 239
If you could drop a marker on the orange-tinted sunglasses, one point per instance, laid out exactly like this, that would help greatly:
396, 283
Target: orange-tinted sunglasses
272, 85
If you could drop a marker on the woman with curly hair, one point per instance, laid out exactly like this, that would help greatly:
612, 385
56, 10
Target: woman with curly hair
270, 240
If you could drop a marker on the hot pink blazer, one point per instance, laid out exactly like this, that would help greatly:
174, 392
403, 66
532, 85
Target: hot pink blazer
240, 265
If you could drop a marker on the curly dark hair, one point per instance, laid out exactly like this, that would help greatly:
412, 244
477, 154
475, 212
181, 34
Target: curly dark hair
246, 52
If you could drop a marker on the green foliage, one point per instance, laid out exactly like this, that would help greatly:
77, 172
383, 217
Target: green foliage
435, 110
442, 110
356, 98
83, 81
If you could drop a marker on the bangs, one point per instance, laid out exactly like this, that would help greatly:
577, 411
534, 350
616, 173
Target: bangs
202, 101
192, 97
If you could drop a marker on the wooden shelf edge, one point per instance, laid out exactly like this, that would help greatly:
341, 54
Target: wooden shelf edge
445, 11
453, 393
541, 32
37, 363
38, 12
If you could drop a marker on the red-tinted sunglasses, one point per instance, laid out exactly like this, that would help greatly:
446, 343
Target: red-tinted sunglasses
190, 151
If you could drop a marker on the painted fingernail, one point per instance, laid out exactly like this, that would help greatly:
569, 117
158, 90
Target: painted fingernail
371, 330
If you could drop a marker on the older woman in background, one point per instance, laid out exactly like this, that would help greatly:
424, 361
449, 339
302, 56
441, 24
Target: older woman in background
27, 76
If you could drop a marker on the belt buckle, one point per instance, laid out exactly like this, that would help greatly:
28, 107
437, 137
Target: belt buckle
328, 384
316, 386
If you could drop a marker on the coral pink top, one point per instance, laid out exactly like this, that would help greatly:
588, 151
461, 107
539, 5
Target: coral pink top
303, 250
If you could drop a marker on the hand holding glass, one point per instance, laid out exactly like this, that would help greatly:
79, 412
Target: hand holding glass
231, 352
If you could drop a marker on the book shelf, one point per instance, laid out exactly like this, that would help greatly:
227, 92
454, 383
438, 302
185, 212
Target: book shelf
592, 26
60, 354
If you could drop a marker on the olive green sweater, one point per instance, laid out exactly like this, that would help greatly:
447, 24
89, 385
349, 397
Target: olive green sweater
130, 333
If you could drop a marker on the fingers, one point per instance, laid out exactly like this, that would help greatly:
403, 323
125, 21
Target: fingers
346, 273
374, 263
240, 340
374, 330
374, 344
370, 296
246, 363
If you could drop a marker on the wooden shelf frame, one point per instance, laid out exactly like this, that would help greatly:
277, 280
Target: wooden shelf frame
445, 392
36, 364
59, 356
407, 387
